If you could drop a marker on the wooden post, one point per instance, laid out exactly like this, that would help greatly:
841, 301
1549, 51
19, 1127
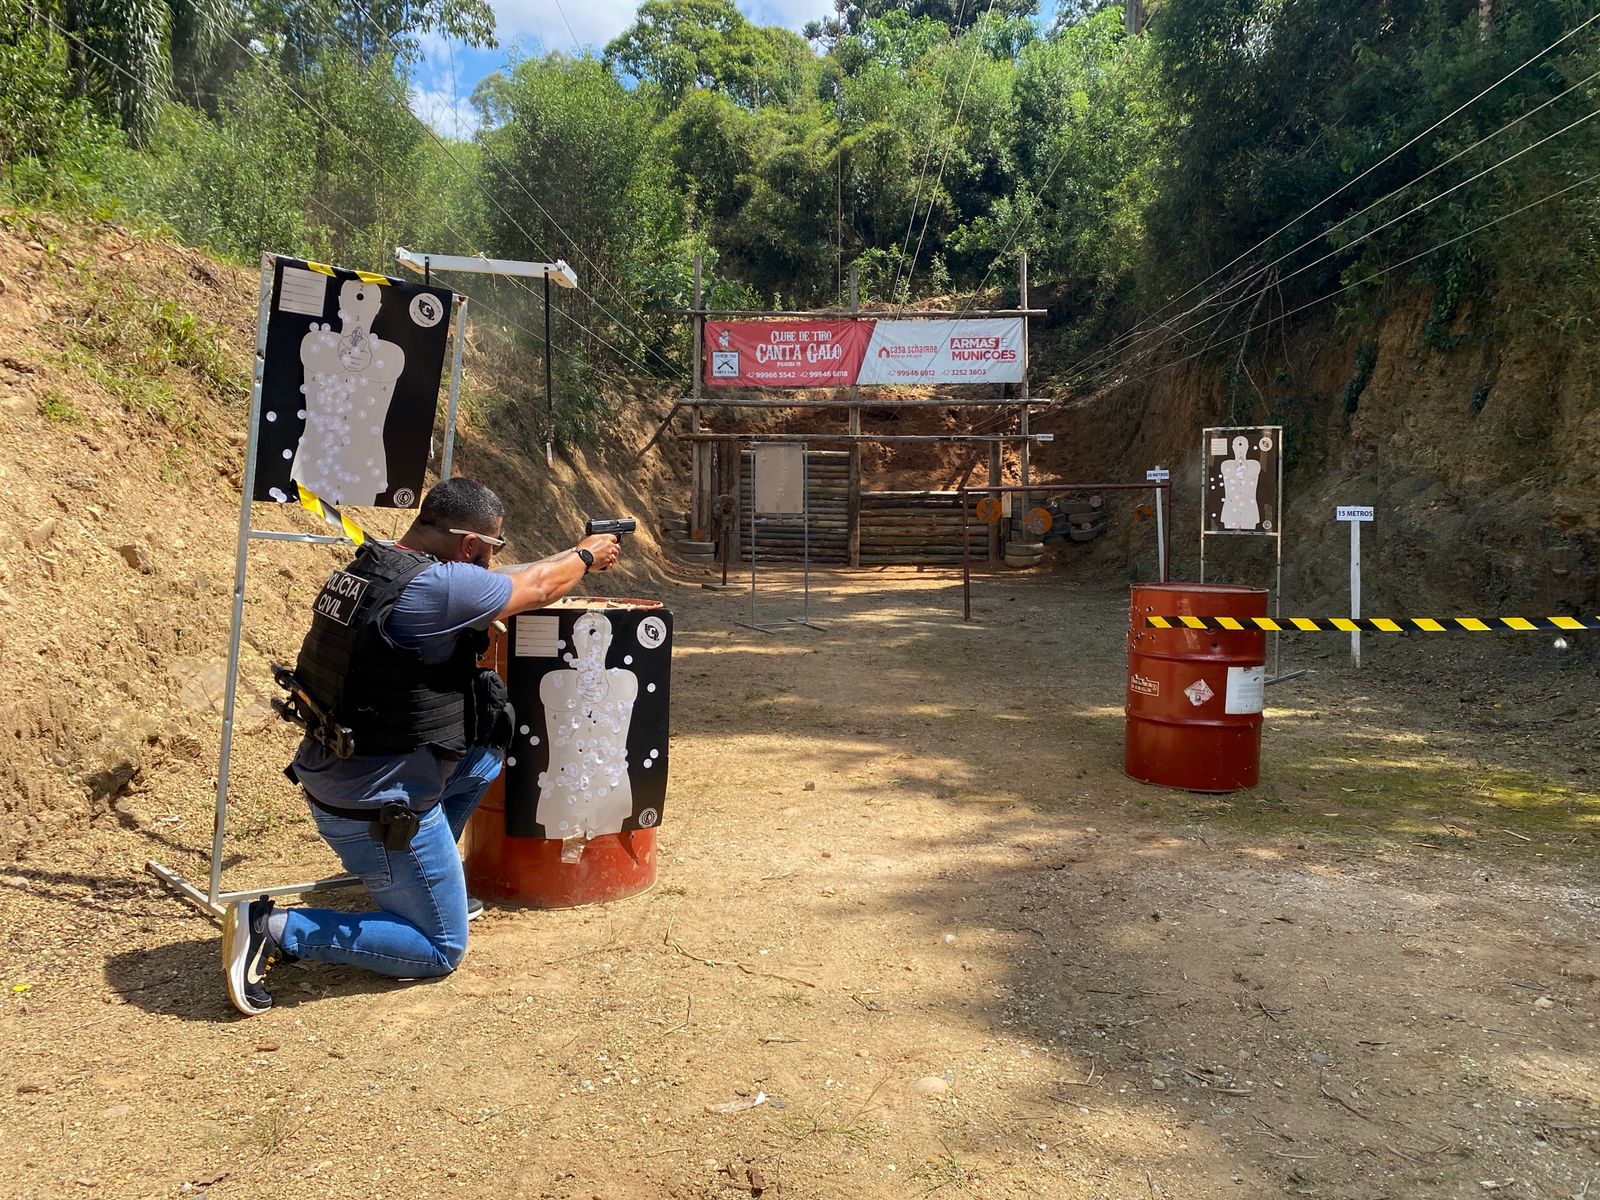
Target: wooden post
853, 499
736, 487
716, 467
995, 481
697, 450
1024, 392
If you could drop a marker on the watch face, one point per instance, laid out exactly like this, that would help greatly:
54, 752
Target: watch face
588, 558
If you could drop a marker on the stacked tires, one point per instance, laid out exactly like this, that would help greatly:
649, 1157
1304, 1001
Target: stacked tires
676, 533
1024, 554
1087, 521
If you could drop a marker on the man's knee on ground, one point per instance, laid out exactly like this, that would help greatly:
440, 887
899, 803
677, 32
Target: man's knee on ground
448, 954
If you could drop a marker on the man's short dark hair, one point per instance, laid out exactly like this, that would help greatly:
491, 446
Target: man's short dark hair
461, 503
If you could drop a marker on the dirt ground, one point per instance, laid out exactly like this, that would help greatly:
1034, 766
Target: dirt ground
908, 900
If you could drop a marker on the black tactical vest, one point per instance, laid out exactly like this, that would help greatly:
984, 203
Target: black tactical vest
391, 700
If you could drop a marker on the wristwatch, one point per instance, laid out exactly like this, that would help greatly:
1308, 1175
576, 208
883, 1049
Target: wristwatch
588, 558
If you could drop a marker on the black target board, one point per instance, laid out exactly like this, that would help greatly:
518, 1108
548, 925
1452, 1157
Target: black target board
589, 754
349, 386
1243, 479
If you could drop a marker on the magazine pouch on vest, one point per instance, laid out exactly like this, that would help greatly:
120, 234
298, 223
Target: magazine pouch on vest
494, 720
390, 700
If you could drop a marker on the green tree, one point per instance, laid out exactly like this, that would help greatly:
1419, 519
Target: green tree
1084, 139
574, 175
851, 16
121, 51
305, 31
40, 116
676, 46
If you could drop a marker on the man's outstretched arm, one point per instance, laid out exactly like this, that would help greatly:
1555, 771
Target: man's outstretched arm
538, 584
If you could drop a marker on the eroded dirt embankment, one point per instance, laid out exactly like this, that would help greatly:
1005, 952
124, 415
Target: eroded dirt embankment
1482, 460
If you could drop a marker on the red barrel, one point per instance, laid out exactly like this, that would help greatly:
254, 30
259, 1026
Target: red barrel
1195, 695
530, 871
623, 647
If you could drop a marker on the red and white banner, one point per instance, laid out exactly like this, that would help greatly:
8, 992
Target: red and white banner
785, 354
794, 354
987, 351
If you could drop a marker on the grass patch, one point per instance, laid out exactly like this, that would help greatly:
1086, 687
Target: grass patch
174, 465
1424, 801
141, 394
56, 405
135, 346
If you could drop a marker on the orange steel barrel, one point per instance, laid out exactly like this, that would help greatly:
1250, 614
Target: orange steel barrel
530, 871
591, 668
1195, 695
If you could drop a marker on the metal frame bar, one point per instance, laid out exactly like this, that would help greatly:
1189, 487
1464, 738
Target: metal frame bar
805, 554
953, 402
455, 389
424, 264
549, 385
1158, 488
213, 900
1276, 534
1024, 472
852, 438
845, 314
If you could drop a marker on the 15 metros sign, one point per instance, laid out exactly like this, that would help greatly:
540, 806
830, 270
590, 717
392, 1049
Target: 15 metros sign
794, 354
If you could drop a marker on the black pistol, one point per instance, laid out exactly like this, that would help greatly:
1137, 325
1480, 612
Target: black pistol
616, 525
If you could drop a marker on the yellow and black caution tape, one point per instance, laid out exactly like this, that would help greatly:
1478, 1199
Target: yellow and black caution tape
1378, 624
364, 276
318, 507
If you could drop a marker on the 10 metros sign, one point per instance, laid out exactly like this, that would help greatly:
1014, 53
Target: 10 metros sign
807, 353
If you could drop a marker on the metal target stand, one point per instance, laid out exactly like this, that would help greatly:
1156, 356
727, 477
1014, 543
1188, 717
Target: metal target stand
804, 619
1275, 532
213, 900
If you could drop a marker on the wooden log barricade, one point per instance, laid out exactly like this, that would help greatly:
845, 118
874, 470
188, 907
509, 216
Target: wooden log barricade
917, 529
898, 528
783, 538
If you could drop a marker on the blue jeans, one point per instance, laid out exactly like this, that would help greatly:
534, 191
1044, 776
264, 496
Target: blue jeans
420, 927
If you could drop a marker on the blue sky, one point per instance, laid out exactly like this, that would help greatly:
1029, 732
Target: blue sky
530, 28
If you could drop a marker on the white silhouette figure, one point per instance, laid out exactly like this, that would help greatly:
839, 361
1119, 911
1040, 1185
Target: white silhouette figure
587, 710
349, 382
1241, 475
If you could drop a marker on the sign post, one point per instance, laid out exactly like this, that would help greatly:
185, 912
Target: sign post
1355, 515
1160, 475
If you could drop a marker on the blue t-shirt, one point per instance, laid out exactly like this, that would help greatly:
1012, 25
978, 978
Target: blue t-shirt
439, 603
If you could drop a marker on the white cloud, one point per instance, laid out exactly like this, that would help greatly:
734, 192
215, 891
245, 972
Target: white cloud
540, 25
791, 14
451, 116
556, 24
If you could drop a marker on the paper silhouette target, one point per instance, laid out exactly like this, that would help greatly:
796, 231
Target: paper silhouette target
1242, 479
350, 385
589, 684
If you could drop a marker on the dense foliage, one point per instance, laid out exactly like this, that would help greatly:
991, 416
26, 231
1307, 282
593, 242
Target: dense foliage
925, 143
